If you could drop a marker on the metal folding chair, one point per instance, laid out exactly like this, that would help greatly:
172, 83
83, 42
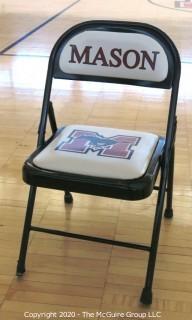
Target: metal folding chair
107, 162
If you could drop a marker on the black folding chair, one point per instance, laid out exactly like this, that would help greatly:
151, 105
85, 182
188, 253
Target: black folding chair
107, 162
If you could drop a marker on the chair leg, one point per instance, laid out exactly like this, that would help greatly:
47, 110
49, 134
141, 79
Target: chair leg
169, 209
26, 231
146, 296
68, 197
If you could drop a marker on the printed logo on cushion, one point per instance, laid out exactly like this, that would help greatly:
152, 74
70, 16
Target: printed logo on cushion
80, 141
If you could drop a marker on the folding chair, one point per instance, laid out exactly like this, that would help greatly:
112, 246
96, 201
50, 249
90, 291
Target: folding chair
107, 162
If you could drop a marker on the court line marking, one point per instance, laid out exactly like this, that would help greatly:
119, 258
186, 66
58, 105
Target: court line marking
38, 27
166, 7
24, 55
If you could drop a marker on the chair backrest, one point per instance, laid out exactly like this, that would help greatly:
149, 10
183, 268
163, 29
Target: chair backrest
120, 52
115, 52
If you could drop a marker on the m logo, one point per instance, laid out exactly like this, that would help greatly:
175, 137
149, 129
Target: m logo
80, 141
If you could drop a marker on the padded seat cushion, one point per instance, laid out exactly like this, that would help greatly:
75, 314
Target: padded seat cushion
100, 152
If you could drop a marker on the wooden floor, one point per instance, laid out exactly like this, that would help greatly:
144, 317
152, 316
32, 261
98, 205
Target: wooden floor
76, 276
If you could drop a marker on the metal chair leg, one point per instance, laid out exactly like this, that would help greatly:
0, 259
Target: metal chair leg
146, 296
169, 209
26, 231
68, 197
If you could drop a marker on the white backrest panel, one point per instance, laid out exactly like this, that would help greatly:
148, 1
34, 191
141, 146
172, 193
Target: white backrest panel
114, 54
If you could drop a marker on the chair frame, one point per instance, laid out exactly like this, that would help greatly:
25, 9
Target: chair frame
162, 160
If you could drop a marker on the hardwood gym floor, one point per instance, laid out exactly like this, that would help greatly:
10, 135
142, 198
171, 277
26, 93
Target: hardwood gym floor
69, 275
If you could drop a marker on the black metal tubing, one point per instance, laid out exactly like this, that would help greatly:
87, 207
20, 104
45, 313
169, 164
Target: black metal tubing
157, 188
146, 296
45, 106
26, 231
170, 181
91, 238
52, 119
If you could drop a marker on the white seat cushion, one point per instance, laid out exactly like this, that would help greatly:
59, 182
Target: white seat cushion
99, 152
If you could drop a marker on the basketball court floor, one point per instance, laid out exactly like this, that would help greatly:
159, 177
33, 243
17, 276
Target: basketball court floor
70, 275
